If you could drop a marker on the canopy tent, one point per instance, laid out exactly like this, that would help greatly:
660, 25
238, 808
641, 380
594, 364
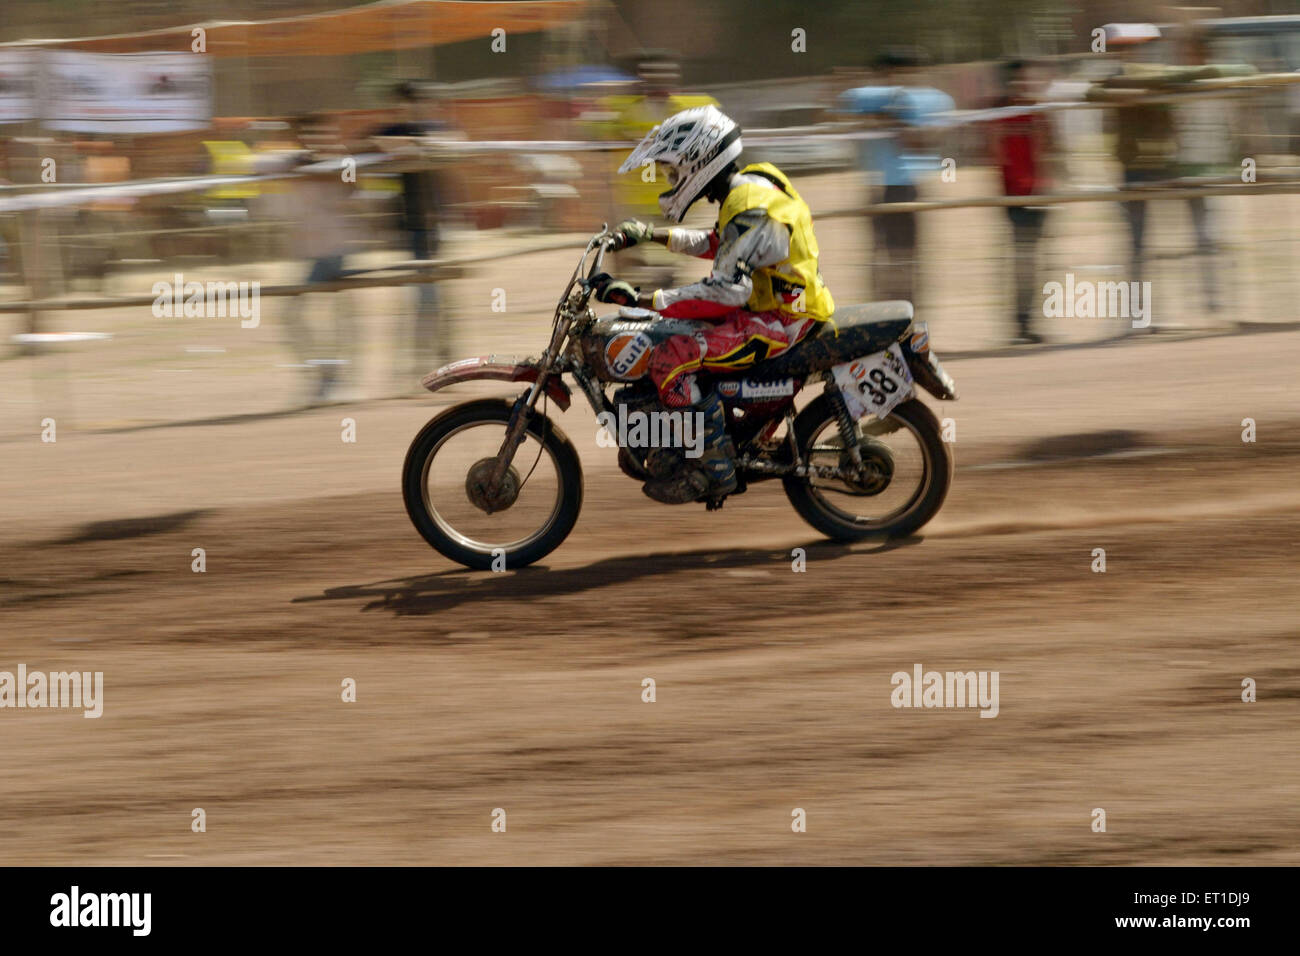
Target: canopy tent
388, 25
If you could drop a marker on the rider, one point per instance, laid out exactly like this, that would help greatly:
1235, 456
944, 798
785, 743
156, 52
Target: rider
763, 295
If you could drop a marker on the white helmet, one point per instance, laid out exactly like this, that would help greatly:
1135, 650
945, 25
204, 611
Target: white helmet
695, 145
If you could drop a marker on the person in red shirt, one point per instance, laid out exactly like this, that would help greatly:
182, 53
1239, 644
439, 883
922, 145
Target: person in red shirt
1022, 145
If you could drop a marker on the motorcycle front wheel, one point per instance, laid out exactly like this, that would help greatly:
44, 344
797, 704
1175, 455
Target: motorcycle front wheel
463, 515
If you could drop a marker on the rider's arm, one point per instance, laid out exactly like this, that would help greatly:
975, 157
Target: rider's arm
691, 242
702, 243
751, 240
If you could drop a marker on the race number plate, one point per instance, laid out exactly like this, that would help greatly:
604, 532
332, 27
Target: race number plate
874, 384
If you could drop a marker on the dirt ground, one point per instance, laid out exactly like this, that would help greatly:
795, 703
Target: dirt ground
523, 691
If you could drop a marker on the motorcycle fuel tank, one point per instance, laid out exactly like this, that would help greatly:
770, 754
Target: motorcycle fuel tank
617, 347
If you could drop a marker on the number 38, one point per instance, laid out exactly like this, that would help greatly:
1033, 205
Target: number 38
878, 395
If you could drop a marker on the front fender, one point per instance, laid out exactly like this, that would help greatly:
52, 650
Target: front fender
500, 368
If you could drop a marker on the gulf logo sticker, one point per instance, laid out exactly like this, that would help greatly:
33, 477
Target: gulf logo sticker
628, 355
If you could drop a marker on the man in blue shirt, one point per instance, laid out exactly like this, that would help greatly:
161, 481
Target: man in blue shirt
893, 157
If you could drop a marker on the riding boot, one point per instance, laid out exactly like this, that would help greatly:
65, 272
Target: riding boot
710, 477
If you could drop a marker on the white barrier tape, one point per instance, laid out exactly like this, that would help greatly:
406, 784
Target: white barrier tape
44, 197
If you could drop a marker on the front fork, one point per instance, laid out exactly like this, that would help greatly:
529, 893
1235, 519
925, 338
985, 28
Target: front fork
522, 412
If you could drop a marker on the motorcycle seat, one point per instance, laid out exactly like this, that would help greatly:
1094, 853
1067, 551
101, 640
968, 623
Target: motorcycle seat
851, 315
858, 330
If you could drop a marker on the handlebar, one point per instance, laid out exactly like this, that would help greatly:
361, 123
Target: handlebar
601, 241
602, 246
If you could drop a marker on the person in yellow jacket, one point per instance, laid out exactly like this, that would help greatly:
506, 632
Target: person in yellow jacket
631, 116
764, 294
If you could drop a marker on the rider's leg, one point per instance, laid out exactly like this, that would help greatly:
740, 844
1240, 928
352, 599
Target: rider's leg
713, 473
736, 342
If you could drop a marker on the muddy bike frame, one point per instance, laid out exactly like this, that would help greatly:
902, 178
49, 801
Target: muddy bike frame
573, 303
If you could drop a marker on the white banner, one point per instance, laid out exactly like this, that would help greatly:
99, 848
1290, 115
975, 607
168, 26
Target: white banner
125, 92
17, 86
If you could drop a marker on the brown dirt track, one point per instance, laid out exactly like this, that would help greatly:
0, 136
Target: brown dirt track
522, 690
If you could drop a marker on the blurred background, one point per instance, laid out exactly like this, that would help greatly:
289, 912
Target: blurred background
485, 137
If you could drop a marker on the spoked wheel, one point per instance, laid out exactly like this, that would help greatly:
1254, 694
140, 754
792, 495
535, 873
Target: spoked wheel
907, 469
455, 505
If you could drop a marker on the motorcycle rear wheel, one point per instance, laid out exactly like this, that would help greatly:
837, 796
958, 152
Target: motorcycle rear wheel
819, 442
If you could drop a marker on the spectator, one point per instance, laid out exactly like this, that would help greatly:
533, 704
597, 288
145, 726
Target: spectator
656, 97
1149, 141
1206, 150
1145, 143
321, 233
424, 206
896, 114
1022, 147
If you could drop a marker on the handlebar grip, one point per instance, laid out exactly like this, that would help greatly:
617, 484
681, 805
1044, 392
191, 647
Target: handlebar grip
601, 249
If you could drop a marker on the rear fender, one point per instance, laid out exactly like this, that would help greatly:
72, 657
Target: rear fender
498, 368
925, 367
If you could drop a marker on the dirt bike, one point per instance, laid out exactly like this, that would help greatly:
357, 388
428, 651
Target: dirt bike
864, 459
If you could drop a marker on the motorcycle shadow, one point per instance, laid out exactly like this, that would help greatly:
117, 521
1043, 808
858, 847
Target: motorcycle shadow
461, 587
